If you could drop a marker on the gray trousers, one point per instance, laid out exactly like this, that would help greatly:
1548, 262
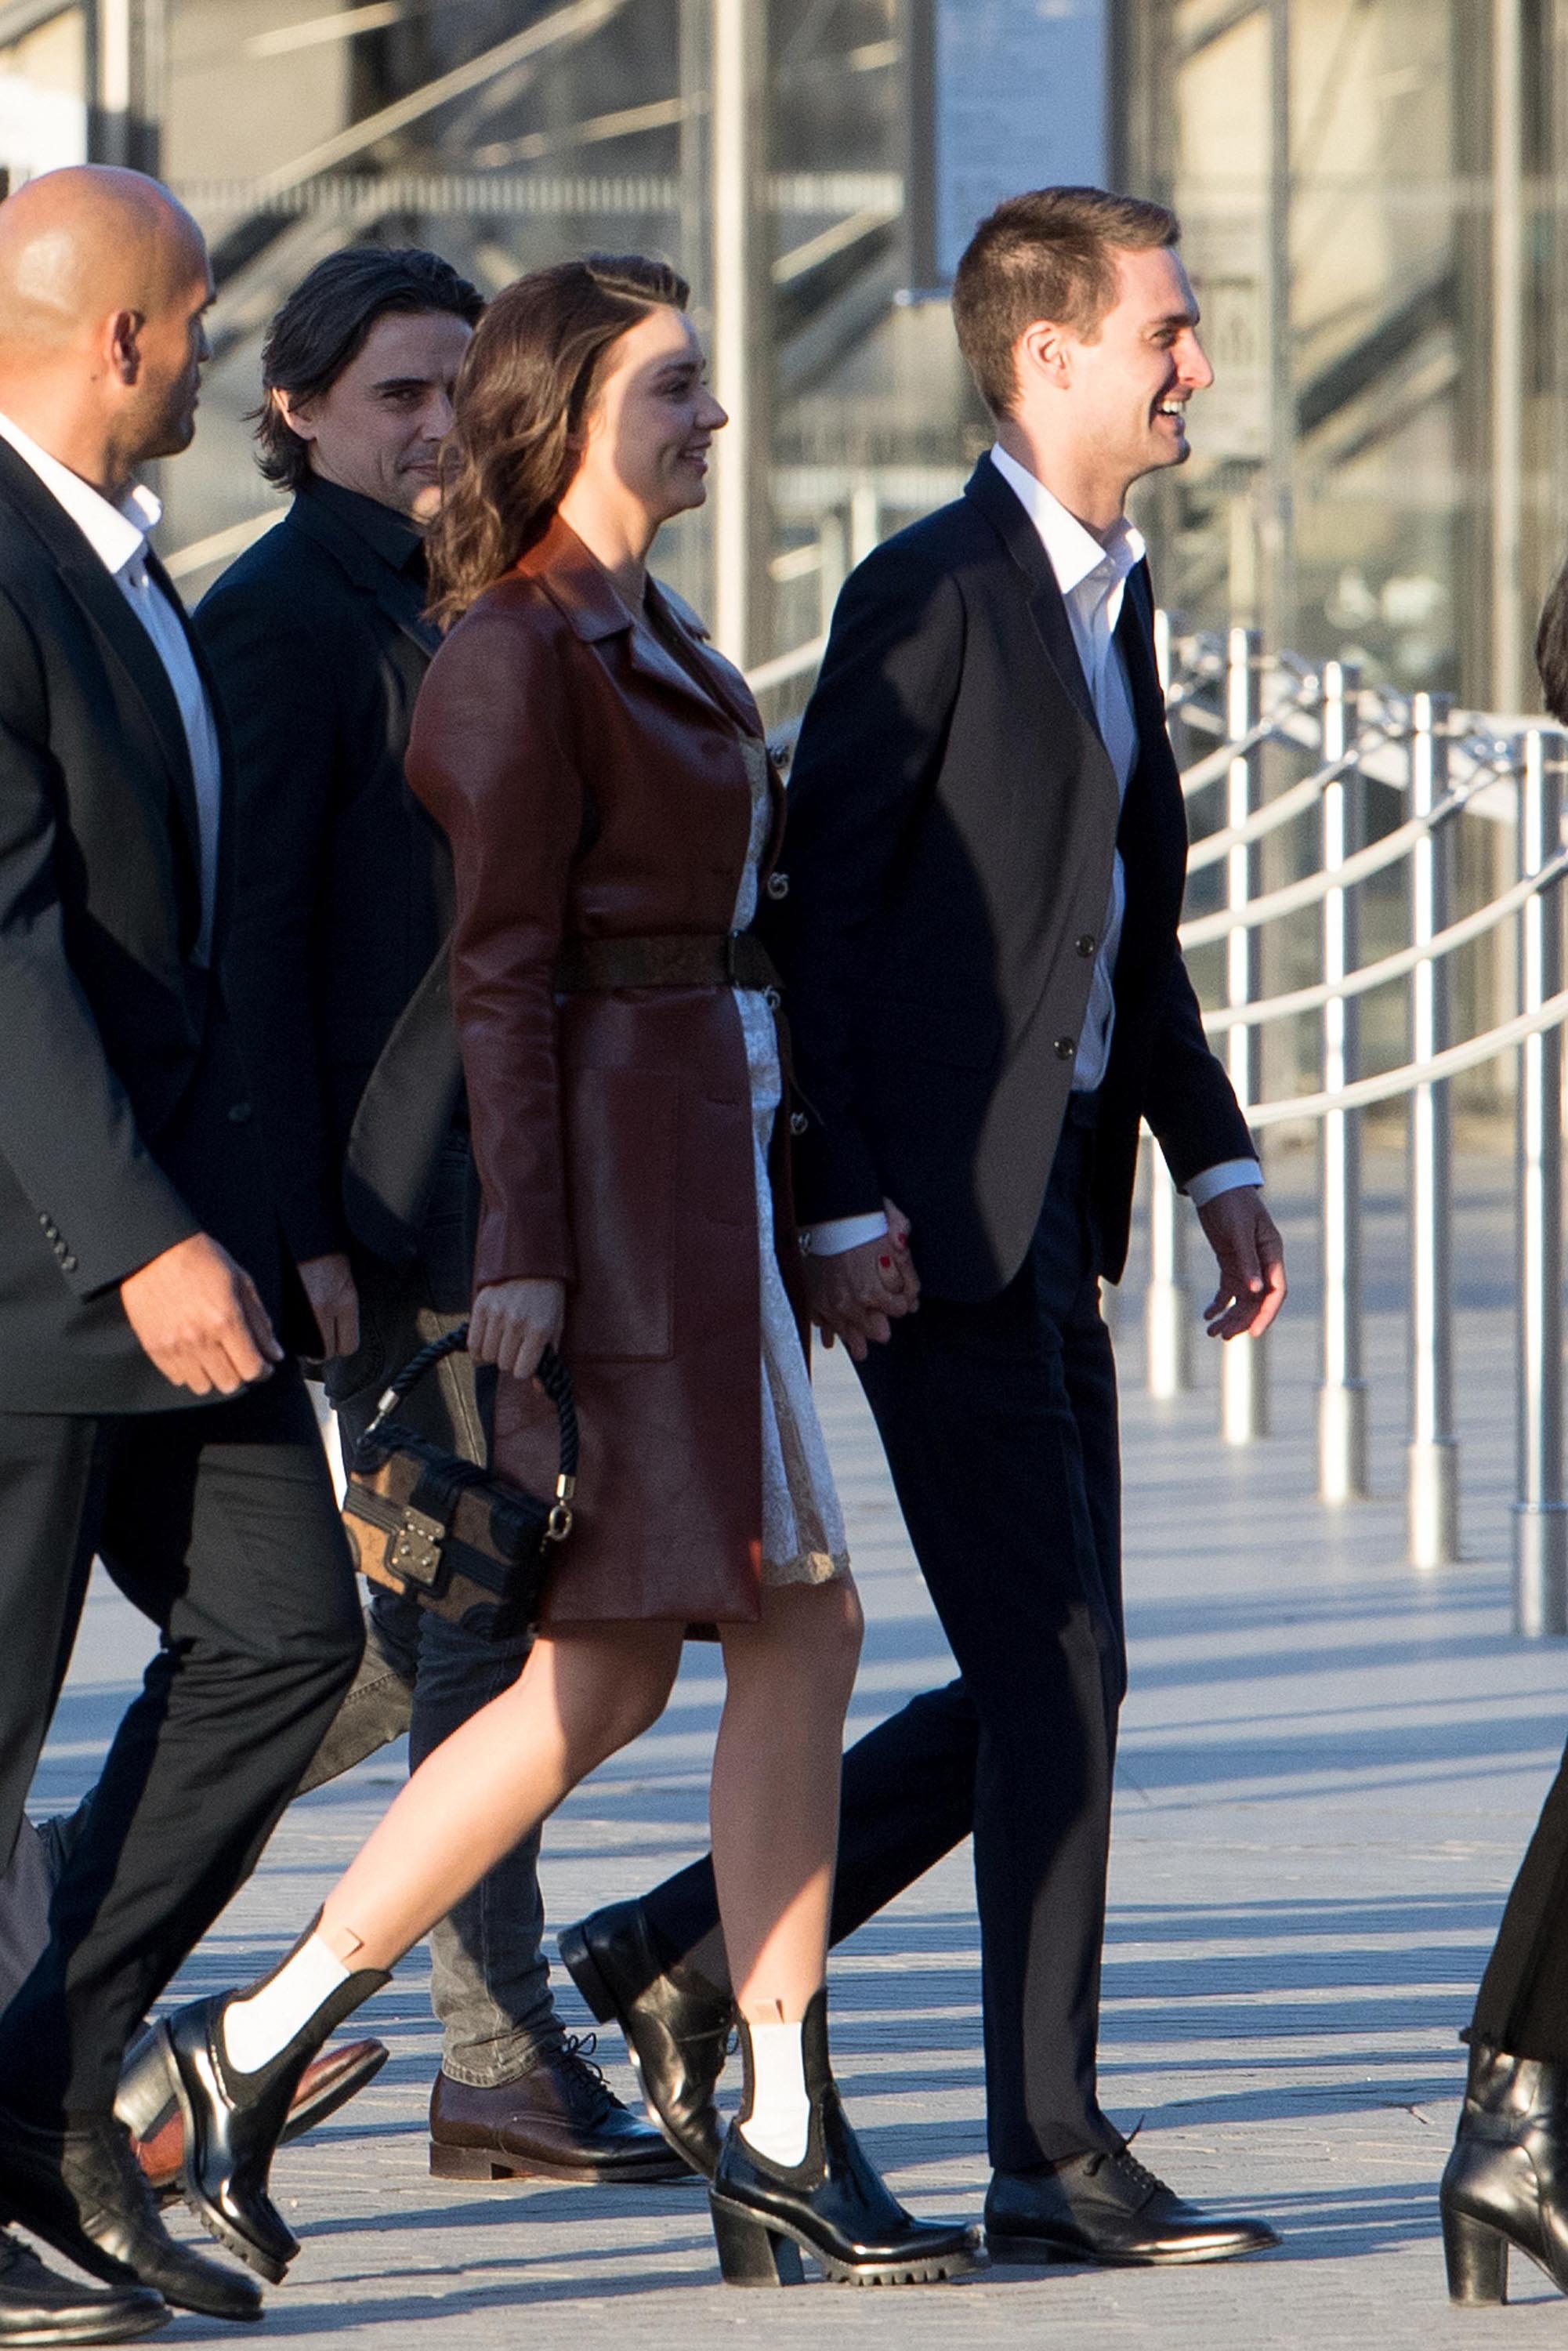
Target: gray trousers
489, 1976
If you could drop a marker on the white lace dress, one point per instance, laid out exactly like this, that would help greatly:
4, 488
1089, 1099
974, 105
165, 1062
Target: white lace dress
802, 1526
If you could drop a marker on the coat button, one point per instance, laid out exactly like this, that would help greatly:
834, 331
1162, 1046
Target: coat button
68, 1263
778, 885
1087, 944
1065, 1048
771, 997
238, 1114
799, 1122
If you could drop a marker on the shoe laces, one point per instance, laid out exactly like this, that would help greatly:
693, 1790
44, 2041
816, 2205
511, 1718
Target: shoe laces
577, 2061
1127, 2163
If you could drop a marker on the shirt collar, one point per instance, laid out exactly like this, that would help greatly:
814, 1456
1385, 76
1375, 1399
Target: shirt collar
1074, 552
115, 529
385, 531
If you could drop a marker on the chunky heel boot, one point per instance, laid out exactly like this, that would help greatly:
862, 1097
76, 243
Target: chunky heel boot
1476, 2255
1505, 2184
751, 2254
832, 2205
234, 2121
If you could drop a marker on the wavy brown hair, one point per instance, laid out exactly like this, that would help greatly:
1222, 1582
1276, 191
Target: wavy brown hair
528, 381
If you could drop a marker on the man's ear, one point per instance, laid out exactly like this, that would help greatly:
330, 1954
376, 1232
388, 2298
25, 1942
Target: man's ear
1043, 354
295, 413
125, 345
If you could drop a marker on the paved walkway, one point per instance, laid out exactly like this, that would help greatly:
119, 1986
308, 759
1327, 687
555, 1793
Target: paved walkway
1329, 1770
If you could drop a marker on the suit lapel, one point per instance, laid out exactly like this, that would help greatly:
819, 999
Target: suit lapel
1047, 609
364, 568
116, 626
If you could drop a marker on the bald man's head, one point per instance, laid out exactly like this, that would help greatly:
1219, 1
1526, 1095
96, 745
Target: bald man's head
103, 280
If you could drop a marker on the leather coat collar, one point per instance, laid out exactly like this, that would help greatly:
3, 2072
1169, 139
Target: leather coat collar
577, 582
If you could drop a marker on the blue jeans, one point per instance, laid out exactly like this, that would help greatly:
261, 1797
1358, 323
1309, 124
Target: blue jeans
489, 1976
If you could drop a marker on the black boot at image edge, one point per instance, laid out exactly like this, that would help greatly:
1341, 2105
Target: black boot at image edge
1505, 2186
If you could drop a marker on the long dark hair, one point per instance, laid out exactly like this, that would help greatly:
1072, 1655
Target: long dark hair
528, 381
325, 324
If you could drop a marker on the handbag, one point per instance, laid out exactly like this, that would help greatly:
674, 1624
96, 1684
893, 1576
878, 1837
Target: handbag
469, 1545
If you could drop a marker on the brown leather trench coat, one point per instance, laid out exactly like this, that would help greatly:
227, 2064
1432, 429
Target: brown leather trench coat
591, 791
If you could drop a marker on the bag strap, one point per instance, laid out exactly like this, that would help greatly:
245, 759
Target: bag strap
553, 1377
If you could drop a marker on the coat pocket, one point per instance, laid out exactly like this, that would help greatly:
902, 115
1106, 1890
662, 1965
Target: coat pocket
621, 1140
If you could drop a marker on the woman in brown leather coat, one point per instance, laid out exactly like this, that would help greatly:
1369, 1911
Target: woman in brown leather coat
603, 779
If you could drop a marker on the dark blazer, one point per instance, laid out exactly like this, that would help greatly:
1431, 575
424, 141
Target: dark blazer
124, 1121
318, 640
953, 815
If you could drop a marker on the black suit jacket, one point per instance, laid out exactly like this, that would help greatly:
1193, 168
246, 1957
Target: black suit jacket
124, 1121
319, 646
953, 815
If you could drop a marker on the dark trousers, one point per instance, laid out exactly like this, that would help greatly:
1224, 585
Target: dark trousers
219, 1524
1000, 1426
1523, 2004
489, 1976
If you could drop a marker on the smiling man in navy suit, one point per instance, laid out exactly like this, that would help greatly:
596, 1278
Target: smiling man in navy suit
987, 853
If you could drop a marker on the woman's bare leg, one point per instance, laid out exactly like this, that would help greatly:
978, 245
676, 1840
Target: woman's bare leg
774, 1807
582, 1696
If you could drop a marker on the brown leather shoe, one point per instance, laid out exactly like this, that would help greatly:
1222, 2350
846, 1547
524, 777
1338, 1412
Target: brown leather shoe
328, 2083
560, 2120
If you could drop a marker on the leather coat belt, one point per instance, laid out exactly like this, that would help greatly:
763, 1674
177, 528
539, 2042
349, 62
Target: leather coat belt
737, 959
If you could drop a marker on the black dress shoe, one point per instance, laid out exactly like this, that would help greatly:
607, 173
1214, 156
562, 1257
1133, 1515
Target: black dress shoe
37, 2306
82, 2193
1108, 2208
677, 2025
1506, 2185
560, 2120
832, 2205
234, 2121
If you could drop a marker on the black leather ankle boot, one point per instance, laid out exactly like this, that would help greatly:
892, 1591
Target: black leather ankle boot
1505, 2184
832, 2205
234, 2120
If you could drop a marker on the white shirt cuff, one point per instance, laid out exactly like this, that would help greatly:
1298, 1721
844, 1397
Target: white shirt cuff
1228, 1177
841, 1233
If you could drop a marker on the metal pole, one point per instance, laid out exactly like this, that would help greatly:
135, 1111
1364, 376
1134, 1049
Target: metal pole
1432, 1506
1341, 1399
1278, 519
1540, 1513
1167, 1309
1508, 353
740, 340
1243, 1363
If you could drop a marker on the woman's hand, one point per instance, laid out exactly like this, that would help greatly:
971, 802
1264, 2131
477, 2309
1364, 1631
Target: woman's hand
514, 1321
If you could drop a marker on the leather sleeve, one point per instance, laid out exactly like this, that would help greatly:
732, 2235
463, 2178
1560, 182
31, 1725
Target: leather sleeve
1188, 1100
871, 747
493, 758
66, 1128
274, 675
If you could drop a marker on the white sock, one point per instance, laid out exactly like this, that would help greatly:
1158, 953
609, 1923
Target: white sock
779, 2123
257, 2027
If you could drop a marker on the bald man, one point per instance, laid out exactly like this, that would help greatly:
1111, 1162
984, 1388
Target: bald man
150, 1411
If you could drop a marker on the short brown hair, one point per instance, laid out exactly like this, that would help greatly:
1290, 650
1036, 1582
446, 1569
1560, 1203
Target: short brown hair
1047, 255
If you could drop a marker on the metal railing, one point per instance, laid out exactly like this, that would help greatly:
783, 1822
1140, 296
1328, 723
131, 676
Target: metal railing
1433, 765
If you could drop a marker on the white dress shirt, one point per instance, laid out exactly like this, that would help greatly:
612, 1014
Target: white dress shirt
117, 532
1092, 575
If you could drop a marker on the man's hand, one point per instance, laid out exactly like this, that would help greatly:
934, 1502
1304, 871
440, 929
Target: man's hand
1245, 1241
198, 1315
514, 1321
858, 1295
334, 1301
